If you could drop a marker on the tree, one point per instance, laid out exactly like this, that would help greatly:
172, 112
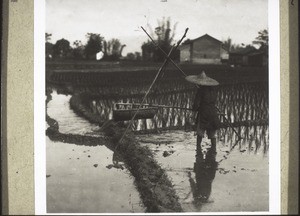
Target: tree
262, 39
94, 45
113, 49
130, 56
49, 50
235, 47
163, 36
78, 50
137, 56
228, 44
47, 37
148, 50
61, 48
134, 56
48, 46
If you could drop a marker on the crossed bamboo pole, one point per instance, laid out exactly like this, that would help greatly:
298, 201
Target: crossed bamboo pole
157, 75
168, 57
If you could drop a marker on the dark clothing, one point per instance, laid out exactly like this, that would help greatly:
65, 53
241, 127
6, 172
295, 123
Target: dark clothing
205, 100
205, 171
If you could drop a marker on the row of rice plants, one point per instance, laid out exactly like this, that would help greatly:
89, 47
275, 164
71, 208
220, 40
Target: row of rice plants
240, 103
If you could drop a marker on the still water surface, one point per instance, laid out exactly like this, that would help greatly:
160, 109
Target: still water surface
240, 182
80, 178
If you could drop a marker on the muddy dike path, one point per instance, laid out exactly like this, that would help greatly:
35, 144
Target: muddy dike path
152, 182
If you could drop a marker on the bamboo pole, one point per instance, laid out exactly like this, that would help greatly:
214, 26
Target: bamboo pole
168, 58
157, 75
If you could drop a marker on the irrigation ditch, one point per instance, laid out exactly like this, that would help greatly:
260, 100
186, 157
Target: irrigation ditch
155, 188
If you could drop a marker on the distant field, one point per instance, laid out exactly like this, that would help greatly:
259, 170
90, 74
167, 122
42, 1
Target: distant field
223, 73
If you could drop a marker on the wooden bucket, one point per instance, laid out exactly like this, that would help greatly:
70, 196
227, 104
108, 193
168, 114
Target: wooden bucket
125, 112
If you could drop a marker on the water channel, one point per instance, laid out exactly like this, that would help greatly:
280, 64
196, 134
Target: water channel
80, 179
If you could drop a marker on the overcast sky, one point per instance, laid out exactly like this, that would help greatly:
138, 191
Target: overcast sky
238, 19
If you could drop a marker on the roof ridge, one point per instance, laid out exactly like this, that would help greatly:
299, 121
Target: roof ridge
207, 36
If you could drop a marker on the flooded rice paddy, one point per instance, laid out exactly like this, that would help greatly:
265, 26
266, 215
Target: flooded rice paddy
83, 179
245, 103
241, 178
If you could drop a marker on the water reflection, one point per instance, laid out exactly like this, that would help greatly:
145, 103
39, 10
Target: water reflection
81, 181
117, 162
205, 171
195, 178
254, 138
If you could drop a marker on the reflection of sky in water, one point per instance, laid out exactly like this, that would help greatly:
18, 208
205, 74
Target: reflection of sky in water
59, 109
79, 181
241, 181
74, 184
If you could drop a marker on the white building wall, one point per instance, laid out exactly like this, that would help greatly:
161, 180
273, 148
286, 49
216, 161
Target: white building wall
207, 61
185, 53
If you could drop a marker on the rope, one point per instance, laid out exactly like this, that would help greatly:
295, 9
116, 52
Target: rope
184, 74
141, 104
157, 75
167, 56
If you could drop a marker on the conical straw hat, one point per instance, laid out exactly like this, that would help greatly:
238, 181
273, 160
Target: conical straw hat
202, 79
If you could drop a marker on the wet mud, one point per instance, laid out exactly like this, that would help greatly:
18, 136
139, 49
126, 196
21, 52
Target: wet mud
79, 104
155, 187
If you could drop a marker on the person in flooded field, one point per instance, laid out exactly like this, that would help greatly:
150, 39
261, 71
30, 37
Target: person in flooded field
207, 120
207, 117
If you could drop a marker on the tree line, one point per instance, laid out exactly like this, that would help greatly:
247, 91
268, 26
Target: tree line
111, 49
262, 40
163, 36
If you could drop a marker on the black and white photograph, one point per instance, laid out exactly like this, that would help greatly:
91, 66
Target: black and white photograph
157, 106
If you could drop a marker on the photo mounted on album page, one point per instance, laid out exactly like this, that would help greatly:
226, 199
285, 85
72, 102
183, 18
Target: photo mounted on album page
158, 107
